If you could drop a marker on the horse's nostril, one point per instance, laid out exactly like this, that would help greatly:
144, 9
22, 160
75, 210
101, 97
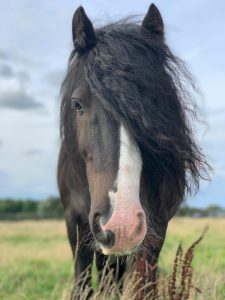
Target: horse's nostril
96, 223
105, 237
140, 224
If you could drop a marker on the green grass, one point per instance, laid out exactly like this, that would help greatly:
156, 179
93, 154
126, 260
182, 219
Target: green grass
34, 279
36, 263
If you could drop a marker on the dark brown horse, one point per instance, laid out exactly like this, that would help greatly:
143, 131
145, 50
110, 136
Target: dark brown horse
128, 155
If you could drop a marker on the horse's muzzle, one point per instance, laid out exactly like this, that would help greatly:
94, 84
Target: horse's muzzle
123, 232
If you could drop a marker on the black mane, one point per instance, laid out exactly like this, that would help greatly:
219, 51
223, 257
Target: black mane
144, 86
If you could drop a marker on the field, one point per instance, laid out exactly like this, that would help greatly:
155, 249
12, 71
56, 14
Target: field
36, 263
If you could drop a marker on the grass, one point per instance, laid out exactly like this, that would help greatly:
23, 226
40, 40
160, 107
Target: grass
36, 263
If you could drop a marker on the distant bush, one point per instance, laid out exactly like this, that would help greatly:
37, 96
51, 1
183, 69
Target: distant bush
50, 205
210, 211
31, 209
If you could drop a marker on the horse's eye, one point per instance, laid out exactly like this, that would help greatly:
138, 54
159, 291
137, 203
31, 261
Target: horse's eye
76, 105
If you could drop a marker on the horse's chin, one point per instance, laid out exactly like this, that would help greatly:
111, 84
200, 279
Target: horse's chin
118, 252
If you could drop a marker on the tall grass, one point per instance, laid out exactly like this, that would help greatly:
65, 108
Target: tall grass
180, 284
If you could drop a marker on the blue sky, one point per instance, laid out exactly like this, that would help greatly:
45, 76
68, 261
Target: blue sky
35, 43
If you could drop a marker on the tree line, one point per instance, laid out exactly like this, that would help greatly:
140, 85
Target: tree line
11, 209
51, 208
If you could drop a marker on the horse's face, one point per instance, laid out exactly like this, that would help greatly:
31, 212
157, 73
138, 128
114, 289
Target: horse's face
113, 169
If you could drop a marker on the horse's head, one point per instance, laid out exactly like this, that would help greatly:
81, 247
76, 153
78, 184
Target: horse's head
113, 168
130, 129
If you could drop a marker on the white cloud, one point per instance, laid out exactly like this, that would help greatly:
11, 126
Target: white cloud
18, 99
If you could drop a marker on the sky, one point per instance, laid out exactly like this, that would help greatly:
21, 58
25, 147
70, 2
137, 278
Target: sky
35, 42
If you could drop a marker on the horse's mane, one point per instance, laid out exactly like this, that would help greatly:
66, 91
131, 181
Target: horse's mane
138, 79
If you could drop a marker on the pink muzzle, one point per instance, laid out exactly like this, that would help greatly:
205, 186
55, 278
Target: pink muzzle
128, 223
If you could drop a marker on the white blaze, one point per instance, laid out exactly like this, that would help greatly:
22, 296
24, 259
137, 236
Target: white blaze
129, 172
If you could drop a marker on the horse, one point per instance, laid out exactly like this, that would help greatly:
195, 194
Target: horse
129, 155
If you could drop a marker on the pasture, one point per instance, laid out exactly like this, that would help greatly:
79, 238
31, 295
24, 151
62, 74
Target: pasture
36, 263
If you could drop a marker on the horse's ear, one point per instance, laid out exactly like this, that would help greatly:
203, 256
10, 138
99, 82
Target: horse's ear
153, 22
83, 32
